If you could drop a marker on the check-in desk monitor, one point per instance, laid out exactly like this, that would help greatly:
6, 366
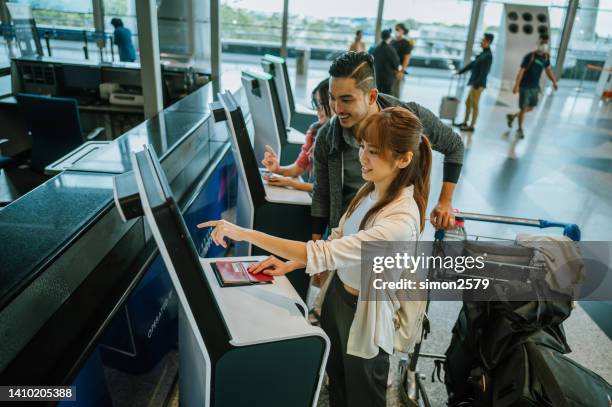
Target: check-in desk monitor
79, 79
277, 67
269, 206
296, 122
267, 116
246, 345
267, 120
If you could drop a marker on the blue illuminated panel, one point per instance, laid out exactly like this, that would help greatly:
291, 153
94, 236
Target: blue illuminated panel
136, 360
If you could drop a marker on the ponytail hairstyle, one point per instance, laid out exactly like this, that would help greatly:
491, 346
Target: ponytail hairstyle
396, 131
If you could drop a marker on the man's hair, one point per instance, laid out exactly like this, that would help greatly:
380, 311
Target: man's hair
402, 27
544, 37
358, 32
385, 35
489, 37
116, 22
355, 65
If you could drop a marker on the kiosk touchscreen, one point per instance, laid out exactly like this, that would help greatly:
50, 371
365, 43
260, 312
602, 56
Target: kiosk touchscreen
240, 344
267, 116
298, 119
268, 205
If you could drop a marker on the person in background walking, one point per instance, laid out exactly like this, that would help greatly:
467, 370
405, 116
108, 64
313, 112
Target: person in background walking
386, 63
403, 47
358, 45
480, 68
123, 40
527, 83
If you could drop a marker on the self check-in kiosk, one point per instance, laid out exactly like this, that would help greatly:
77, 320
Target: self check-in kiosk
245, 345
295, 118
270, 127
275, 210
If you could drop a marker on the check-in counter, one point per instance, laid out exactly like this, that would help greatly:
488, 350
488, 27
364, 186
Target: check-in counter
83, 294
86, 299
117, 109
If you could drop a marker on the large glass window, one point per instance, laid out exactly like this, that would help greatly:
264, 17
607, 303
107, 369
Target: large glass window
438, 28
126, 11
62, 13
252, 21
324, 25
4, 53
249, 29
591, 41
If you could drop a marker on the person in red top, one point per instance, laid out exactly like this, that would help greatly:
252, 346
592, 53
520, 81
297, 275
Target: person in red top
304, 163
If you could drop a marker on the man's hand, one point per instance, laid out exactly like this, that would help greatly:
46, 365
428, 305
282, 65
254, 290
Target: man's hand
272, 266
515, 89
270, 160
555, 87
442, 216
277, 181
399, 75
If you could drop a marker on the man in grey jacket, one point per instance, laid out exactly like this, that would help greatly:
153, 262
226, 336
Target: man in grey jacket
353, 97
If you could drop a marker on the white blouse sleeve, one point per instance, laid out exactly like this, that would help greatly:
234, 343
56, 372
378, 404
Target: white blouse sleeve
345, 251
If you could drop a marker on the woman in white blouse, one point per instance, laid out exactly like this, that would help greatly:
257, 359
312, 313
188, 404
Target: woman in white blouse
396, 161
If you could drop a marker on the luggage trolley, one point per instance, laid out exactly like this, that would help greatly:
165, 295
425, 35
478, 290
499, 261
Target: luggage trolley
412, 389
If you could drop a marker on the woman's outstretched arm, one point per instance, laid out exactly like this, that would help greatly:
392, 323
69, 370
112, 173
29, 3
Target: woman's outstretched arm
288, 249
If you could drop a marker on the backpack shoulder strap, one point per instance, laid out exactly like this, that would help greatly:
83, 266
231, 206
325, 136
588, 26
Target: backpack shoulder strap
545, 375
531, 60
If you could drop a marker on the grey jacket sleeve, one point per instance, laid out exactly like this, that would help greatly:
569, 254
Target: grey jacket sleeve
443, 139
320, 194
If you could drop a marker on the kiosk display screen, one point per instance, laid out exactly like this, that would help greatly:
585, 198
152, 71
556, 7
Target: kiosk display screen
265, 112
277, 67
243, 150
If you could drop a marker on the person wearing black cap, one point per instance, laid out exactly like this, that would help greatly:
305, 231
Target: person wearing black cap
403, 47
480, 68
386, 63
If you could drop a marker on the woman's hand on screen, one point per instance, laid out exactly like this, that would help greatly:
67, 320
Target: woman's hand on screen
223, 229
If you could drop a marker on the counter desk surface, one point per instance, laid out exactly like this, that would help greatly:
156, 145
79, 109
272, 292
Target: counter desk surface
35, 228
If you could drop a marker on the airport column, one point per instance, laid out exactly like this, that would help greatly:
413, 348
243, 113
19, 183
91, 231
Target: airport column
148, 40
215, 43
474, 19
284, 52
379, 17
6, 21
98, 16
566, 34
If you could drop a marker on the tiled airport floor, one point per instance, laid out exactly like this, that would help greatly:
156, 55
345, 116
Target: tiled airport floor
561, 171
